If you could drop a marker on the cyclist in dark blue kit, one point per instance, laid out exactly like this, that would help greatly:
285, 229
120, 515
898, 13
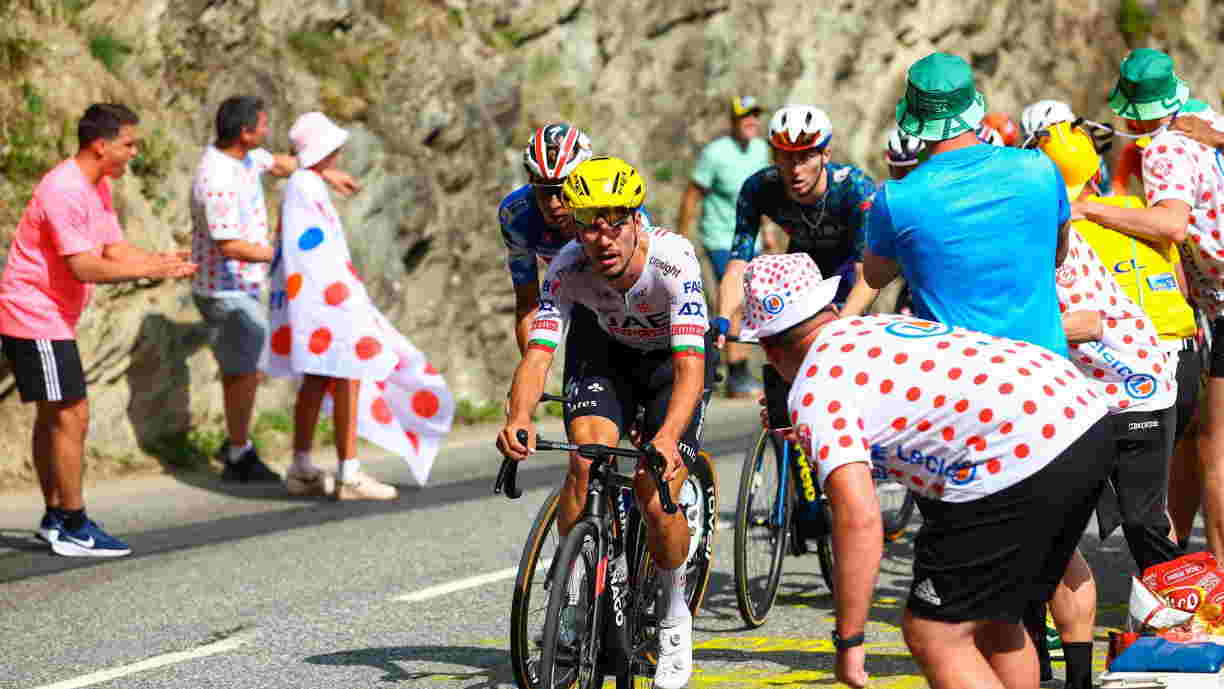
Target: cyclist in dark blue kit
821, 205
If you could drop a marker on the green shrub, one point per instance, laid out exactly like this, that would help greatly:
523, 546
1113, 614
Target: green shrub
157, 151
1133, 21
108, 49
468, 412
17, 50
191, 449
27, 152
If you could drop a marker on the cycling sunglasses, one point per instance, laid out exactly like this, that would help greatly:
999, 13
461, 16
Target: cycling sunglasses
615, 217
546, 191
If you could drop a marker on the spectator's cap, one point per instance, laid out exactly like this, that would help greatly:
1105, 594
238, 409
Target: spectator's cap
781, 291
314, 137
940, 99
1073, 154
745, 105
1147, 87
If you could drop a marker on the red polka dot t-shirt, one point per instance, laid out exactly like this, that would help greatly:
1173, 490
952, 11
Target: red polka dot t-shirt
1127, 366
954, 414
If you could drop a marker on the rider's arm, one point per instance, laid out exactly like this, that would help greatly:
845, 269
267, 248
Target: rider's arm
528, 385
526, 299
731, 289
688, 325
858, 543
1083, 326
687, 387
743, 248
861, 295
690, 210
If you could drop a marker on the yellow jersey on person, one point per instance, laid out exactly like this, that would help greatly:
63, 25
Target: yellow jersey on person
1147, 274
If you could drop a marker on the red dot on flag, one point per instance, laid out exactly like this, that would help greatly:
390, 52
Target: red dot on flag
381, 411
293, 285
368, 348
336, 293
320, 340
414, 439
282, 341
425, 403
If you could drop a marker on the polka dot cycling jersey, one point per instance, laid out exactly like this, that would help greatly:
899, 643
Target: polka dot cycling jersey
1127, 366
954, 414
664, 308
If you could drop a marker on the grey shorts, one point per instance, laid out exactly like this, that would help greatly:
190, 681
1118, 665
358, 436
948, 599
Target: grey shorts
238, 327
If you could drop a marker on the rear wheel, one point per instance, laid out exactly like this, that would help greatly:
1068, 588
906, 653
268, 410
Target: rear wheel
569, 658
762, 526
527, 611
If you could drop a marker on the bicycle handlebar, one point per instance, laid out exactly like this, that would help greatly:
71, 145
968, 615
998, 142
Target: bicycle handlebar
654, 464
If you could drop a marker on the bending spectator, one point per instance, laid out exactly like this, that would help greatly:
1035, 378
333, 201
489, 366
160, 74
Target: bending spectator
230, 243
68, 239
710, 201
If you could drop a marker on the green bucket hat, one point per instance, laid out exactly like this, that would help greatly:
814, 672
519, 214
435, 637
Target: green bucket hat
1147, 87
940, 99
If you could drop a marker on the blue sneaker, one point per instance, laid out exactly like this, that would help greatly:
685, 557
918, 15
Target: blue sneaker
50, 526
88, 541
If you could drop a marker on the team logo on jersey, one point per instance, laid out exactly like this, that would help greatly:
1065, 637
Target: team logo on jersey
1140, 386
694, 308
841, 175
773, 304
913, 330
1065, 275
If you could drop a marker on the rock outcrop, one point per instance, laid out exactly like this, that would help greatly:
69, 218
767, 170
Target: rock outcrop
441, 96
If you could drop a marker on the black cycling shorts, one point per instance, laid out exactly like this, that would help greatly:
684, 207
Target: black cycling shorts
1215, 359
987, 559
606, 378
1189, 368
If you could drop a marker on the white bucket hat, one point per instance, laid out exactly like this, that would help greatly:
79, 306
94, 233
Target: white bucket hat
314, 137
783, 290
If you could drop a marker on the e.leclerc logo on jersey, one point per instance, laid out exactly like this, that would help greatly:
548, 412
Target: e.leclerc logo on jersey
1140, 386
913, 330
773, 304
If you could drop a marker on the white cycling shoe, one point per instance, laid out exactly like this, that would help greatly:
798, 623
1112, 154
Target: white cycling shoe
675, 653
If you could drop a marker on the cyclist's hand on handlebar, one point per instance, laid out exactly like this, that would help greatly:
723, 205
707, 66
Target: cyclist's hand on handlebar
671, 453
508, 442
849, 666
721, 326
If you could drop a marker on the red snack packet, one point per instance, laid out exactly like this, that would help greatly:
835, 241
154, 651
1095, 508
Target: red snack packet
1193, 583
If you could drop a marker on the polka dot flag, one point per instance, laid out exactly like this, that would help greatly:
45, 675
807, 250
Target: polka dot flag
322, 322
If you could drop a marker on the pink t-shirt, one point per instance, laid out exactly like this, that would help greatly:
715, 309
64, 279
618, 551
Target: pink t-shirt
40, 297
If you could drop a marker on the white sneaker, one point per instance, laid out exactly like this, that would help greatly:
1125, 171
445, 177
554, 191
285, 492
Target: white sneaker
675, 653
318, 484
364, 487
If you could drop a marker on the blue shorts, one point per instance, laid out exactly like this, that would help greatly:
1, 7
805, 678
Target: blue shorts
719, 258
237, 327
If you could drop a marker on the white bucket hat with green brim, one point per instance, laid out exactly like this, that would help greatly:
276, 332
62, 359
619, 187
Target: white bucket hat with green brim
1147, 87
940, 99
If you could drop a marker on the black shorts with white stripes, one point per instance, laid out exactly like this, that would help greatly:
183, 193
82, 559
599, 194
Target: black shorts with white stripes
45, 370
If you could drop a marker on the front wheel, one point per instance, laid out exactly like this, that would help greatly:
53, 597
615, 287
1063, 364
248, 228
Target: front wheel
699, 503
569, 658
527, 612
763, 514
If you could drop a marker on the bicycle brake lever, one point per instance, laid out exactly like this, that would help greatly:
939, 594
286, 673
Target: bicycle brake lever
507, 476
657, 466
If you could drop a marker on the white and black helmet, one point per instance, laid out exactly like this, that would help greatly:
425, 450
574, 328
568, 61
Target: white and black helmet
1041, 115
799, 128
903, 150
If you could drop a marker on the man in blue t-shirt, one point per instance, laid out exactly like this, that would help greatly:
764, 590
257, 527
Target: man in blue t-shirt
975, 229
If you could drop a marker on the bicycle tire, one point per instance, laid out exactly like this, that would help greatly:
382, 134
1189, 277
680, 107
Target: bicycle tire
824, 543
701, 558
523, 661
587, 622
755, 608
895, 518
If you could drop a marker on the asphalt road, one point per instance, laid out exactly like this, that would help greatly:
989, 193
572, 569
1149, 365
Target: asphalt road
245, 588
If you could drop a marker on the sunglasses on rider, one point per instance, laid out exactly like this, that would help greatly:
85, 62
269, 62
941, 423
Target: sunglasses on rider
614, 217
546, 191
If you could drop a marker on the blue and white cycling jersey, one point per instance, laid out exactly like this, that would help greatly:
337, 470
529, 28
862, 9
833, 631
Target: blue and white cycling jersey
529, 237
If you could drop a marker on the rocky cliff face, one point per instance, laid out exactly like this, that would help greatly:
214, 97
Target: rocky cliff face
441, 96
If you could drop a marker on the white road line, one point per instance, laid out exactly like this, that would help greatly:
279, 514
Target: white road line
465, 584
221, 646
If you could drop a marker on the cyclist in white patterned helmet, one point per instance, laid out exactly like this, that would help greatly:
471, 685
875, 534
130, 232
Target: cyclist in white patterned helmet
903, 153
1041, 115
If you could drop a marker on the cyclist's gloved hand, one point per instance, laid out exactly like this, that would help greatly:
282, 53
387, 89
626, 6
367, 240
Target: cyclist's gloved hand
721, 326
508, 442
669, 448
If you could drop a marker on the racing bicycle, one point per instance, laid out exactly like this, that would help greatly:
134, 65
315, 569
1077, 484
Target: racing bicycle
782, 508
699, 501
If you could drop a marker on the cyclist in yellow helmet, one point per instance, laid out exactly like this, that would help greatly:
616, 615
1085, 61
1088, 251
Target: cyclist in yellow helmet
647, 348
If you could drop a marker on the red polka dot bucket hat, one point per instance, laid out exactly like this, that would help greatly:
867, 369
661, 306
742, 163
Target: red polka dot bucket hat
783, 290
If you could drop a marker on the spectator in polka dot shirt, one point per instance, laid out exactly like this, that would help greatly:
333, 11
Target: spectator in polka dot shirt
231, 245
1003, 443
1183, 181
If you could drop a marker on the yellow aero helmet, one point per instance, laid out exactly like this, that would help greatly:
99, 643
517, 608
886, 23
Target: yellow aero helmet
1073, 153
604, 182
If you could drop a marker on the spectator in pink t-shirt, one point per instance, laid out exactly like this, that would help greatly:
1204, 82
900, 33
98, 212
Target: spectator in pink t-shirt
69, 238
